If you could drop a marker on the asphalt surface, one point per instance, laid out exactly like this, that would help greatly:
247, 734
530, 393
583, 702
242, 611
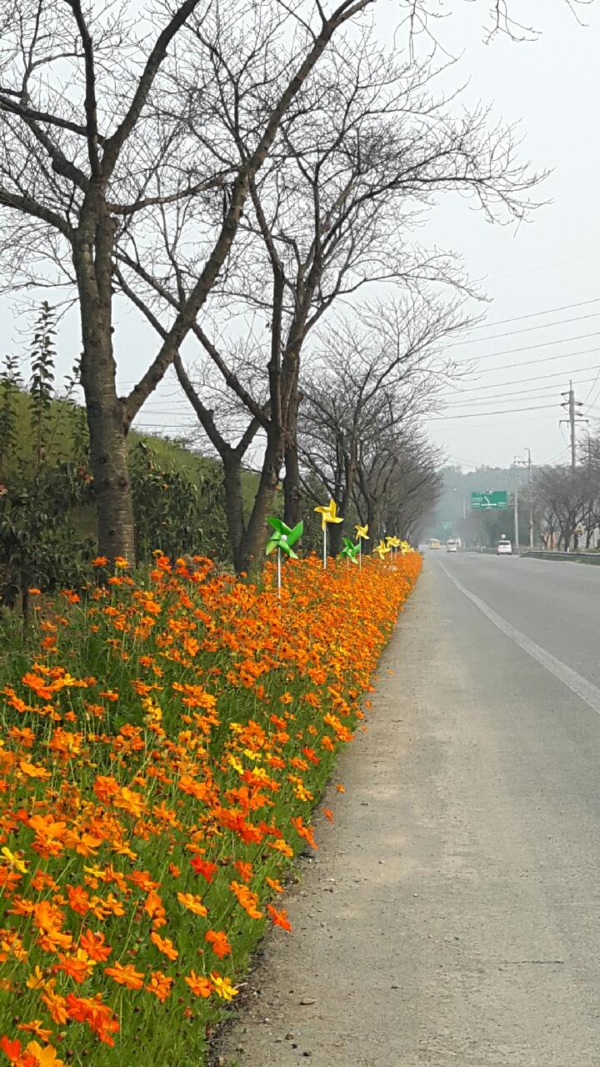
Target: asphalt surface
452, 914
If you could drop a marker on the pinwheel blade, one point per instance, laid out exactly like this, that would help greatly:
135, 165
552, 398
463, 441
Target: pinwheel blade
296, 533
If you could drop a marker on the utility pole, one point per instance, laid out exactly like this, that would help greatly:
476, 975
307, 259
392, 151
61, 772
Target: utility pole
529, 469
516, 496
571, 404
527, 463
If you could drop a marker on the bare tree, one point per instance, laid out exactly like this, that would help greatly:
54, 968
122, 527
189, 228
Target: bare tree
561, 496
363, 152
499, 17
97, 137
374, 375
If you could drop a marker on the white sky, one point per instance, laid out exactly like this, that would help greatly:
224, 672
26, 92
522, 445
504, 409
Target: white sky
551, 88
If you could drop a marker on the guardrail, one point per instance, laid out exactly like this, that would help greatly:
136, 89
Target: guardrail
562, 557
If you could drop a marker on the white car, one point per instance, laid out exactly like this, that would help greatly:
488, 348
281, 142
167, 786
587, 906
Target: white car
451, 546
504, 548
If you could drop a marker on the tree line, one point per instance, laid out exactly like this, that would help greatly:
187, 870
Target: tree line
218, 164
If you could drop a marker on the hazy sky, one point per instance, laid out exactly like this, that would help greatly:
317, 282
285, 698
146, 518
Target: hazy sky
551, 88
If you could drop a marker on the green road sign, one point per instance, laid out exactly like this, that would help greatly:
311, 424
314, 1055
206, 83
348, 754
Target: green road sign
484, 501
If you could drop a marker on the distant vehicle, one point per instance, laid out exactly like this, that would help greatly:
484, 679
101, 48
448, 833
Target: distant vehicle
452, 545
504, 548
423, 546
433, 542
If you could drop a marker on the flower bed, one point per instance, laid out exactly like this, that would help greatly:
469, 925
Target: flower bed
162, 747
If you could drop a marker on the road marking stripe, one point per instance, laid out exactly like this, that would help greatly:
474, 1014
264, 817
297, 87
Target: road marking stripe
587, 691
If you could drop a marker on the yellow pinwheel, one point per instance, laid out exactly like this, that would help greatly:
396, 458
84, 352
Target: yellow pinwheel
328, 514
362, 533
382, 549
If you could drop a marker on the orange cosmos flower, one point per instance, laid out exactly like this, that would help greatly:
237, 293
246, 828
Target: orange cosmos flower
244, 870
78, 967
246, 899
218, 942
125, 975
282, 846
11, 1049
192, 903
34, 770
95, 946
164, 945
200, 986
98, 1016
36, 1027
275, 885
279, 917
204, 867
160, 985
55, 1005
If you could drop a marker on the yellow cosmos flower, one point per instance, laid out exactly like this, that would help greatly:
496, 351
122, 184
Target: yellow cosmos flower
223, 987
13, 861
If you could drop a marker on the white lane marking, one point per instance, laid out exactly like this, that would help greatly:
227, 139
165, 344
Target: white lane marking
587, 691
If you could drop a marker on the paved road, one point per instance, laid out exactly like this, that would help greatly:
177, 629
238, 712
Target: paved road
452, 916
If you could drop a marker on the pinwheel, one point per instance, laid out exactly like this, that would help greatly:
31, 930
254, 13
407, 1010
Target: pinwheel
328, 514
382, 549
393, 544
362, 533
282, 539
350, 550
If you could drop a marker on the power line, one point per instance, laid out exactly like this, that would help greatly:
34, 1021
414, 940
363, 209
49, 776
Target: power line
478, 414
534, 314
518, 392
526, 329
543, 359
544, 266
509, 422
518, 381
542, 344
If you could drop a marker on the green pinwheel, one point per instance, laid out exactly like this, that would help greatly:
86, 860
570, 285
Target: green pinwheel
283, 537
350, 550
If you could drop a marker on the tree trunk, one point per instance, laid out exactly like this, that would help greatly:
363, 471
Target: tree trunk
105, 414
255, 537
335, 538
234, 507
291, 486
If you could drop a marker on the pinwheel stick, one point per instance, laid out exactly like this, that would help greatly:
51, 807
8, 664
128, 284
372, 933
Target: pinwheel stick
279, 573
325, 547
